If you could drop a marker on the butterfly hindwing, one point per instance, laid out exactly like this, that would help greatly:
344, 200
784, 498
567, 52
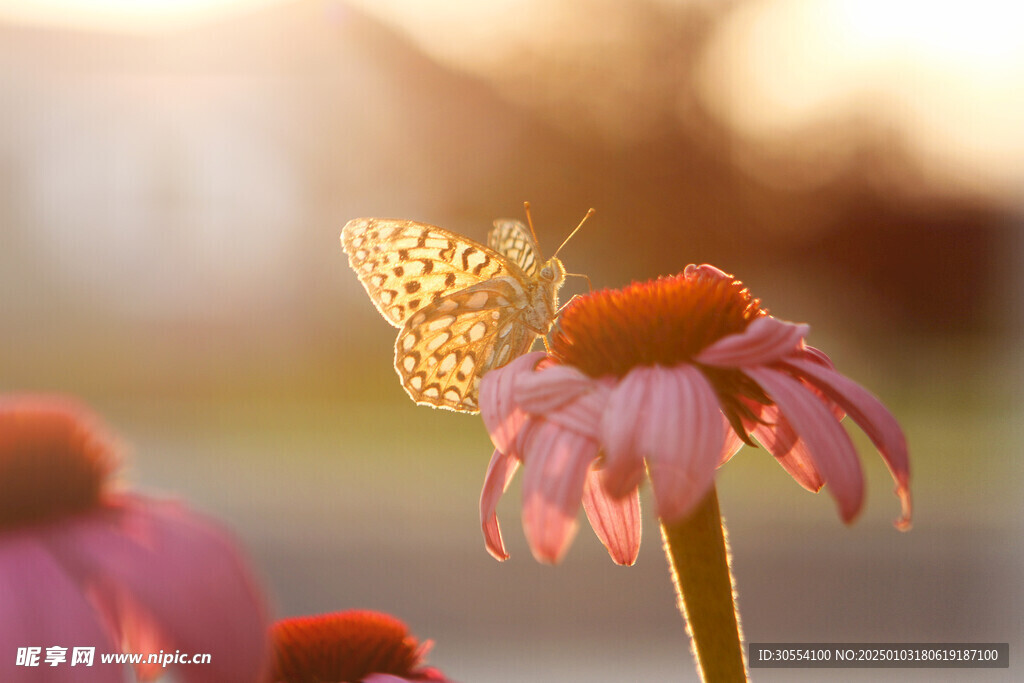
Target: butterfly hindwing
445, 347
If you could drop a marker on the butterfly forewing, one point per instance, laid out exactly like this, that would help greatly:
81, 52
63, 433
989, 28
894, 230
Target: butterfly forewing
463, 308
405, 265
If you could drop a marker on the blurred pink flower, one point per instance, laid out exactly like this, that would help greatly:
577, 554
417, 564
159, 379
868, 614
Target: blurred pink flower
669, 377
84, 565
356, 646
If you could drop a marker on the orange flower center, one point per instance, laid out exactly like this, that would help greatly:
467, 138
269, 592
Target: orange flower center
342, 647
660, 322
55, 459
663, 322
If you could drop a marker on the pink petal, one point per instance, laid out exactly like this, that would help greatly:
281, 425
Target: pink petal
623, 468
732, 444
827, 442
429, 674
816, 355
615, 521
872, 416
777, 437
179, 572
583, 415
498, 477
139, 632
796, 459
772, 430
819, 357
683, 438
556, 464
502, 416
799, 463
542, 392
765, 340
42, 605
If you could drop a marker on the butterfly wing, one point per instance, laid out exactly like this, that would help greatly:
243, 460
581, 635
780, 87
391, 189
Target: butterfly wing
405, 265
446, 346
513, 240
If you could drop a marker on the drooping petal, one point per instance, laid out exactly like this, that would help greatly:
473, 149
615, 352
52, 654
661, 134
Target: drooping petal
621, 432
765, 340
777, 437
41, 605
819, 357
498, 477
584, 414
174, 570
556, 464
816, 355
427, 674
827, 442
872, 416
799, 463
732, 444
772, 430
431, 675
683, 437
542, 392
502, 416
616, 521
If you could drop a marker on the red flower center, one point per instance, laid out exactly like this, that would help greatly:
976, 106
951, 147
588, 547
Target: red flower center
342, 647
55, 459
660, 322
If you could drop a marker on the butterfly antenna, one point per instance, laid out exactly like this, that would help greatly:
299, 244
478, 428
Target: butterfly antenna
584, 220
529, 221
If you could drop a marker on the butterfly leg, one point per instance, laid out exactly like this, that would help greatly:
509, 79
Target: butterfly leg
555, 328
566, 304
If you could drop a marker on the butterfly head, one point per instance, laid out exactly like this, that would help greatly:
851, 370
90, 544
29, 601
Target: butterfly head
552, 272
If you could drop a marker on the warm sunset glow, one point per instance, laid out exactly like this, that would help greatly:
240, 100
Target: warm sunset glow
121, 15
944, 74
467, 33
799, 78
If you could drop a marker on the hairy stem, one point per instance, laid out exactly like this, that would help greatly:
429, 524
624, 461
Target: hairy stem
698, 555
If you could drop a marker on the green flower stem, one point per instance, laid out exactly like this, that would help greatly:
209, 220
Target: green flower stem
699, 557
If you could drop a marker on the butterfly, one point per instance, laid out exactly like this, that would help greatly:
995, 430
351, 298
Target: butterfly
462, 308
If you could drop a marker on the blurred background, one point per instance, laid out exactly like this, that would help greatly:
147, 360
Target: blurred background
175, 176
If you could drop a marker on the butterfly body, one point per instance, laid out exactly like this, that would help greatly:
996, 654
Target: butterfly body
462, 308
